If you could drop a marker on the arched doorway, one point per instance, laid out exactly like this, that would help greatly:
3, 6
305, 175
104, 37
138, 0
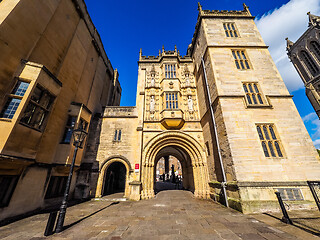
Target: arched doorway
115, 179
114, 176
190, 154
177, 172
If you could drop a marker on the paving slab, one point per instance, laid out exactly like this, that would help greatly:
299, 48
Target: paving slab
173, 214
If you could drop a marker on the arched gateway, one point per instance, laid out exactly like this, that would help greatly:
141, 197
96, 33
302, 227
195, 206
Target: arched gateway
190, 154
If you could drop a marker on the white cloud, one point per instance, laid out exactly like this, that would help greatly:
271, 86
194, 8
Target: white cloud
310, 116
313, 119
290, 20
316, 143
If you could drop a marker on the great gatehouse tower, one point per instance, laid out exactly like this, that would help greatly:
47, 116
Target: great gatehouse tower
223, 111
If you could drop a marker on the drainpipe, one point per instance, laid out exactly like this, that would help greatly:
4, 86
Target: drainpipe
216, 136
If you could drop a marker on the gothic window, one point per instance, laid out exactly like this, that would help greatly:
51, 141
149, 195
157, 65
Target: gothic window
315, 48
253, 94
117, 135
270, 143
240, 59
170, 70
14, 100
38, 108
69, 129
171, 100
7, 186
230, 30
56, 186
309, 63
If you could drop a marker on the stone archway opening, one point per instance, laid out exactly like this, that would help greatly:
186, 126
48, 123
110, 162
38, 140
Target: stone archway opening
173, 170
115, 178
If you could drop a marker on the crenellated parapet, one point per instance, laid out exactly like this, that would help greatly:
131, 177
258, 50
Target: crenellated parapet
164, 54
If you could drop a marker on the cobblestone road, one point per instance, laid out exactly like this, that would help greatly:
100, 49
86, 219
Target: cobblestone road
171, 215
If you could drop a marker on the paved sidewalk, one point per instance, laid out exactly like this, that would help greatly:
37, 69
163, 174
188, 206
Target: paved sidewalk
171, 215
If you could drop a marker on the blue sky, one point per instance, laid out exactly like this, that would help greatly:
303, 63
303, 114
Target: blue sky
126, 26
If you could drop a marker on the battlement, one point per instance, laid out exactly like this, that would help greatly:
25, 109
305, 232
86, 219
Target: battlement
162, 54
224, 13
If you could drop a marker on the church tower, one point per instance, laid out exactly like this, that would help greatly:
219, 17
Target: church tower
257, 140
305, 57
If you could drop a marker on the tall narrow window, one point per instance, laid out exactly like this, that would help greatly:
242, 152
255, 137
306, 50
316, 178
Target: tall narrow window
7, 186
68, 129
253, 94
315, 48
172, 100
170, 70
313, 68
14, 100
230, 30
269, 141
240, 59
38, 108
117, 135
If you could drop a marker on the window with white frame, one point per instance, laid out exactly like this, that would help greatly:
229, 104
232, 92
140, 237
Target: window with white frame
171, 100
170, 70
14, 99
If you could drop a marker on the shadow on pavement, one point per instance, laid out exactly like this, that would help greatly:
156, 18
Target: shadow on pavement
297, 222
80, 220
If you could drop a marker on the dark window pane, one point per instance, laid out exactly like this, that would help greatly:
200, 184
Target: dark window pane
272, 133
266, 134
241, 63
28, 113
249, 99
278, 149
237, 64
260, 133
256, 88
115, 135
245, 88
234, 55
37, 94
250, 88
247, 64
119, 135
235, 34
254, 99
265, 150
271, 149
231, 34
243, 55
224, 26
260, 99
232, 25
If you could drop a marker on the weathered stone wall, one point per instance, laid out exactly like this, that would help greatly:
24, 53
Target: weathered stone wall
54, 44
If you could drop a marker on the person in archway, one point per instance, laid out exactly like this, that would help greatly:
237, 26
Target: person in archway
173, 179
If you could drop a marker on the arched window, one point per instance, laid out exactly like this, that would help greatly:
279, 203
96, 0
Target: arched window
315, 46
309, 63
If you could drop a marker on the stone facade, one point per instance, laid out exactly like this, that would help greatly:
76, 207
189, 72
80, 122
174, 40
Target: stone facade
56, 72
234, 127
305, 57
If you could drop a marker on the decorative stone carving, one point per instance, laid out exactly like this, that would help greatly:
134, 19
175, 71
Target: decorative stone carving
190, 104
152, 104
152, 82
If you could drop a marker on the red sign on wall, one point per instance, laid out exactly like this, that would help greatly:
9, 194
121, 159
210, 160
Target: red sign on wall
136, 166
